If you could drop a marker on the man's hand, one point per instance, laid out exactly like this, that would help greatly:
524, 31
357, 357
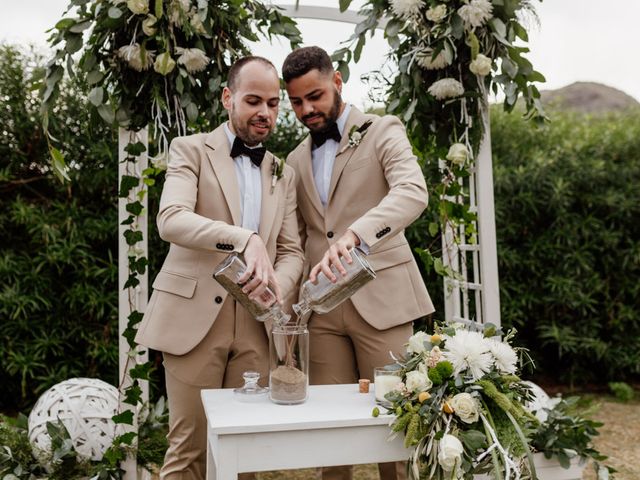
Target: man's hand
259, 273
332, 257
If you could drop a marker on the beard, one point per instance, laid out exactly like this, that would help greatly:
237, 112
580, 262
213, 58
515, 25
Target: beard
243, 130
329, 118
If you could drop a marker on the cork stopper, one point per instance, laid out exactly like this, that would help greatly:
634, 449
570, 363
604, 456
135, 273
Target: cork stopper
363, 385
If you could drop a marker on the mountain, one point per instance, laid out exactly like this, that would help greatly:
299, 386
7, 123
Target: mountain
588, 97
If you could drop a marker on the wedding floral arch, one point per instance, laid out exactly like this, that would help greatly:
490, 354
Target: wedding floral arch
159, 64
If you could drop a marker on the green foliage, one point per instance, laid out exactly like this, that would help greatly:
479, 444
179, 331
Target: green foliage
58, 267
622, 391
566, 434
568, 241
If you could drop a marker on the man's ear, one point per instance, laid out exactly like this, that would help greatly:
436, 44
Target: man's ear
226, 98
337, 81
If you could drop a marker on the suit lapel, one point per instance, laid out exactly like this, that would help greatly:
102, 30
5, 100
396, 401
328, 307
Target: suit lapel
269, 201
305, 166
357, 118
219, 156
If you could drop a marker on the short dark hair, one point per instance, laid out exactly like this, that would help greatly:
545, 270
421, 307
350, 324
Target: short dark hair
302, 60
234, 71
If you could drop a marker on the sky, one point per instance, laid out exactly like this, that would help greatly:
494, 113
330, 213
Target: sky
577, 40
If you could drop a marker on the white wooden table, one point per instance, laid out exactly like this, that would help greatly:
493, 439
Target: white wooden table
333, 427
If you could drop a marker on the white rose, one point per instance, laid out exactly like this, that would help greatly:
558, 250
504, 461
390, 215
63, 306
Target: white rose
465, 407
449, 453
458, 154
149, 25
139, 7
416, 342
164, 64
435, 14
418, 381
481, 66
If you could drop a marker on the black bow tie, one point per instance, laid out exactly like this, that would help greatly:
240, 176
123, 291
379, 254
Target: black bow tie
255, 154
319, 138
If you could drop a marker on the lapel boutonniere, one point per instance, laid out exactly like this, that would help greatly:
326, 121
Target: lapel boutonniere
277, 171
356, 134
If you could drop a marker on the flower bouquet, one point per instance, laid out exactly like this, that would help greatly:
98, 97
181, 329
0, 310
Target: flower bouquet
464, 411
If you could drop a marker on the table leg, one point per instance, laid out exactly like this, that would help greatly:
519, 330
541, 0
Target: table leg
218, 449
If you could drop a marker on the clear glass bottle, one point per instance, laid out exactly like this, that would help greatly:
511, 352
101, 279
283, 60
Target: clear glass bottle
264, 308
289, 364
324, 295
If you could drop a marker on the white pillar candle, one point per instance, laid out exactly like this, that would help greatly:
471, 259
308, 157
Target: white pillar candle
383, 384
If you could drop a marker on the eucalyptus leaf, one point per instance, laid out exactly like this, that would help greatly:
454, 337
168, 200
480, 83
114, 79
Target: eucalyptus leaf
65, 23
94, 77
106, 112
96, 95
80, 27
192, 112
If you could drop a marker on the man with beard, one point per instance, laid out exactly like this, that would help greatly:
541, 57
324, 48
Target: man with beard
219, 197
358, 184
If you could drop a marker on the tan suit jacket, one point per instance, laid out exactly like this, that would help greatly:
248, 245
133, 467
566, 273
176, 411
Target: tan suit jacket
199, 214
377, 189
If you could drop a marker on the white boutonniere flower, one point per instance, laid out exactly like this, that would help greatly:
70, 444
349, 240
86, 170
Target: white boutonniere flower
277, 172
356, 134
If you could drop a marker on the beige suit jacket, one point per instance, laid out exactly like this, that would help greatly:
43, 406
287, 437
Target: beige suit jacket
377, 189
199, 214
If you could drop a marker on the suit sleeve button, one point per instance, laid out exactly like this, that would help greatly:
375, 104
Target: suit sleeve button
218, 299
219, 246
330, 234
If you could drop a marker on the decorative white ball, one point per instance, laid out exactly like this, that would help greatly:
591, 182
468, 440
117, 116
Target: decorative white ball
540, 401
85, 407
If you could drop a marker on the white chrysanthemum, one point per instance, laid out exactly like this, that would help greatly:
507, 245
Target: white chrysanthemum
446, 88
406, 9
476, 13
137, 58
425, 59
505, 357
193, 59
436, 14
468, 352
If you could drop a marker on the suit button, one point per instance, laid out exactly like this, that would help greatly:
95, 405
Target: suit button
330, 234
218, 299
388, 229
219, 246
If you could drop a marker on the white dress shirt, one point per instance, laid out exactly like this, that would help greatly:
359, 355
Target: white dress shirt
323, 158
250, 185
